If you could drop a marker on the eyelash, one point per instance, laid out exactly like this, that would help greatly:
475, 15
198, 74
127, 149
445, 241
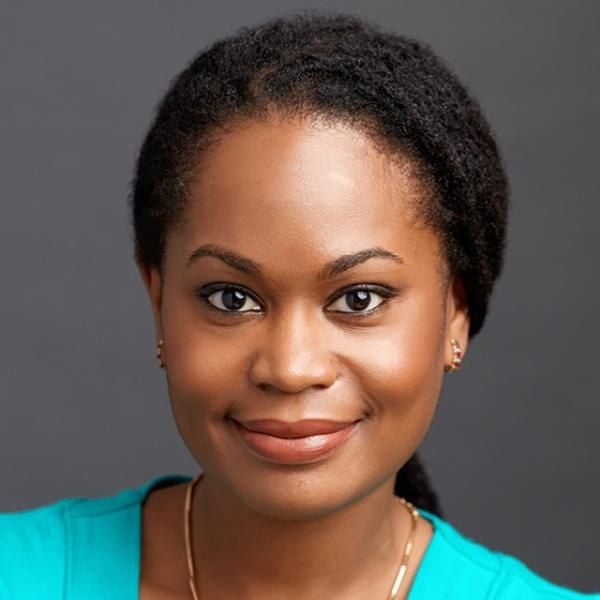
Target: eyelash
385, 292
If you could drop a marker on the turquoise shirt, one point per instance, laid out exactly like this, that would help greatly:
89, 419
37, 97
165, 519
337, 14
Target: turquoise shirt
89, 548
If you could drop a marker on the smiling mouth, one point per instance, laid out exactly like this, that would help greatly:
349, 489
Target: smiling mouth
283, 443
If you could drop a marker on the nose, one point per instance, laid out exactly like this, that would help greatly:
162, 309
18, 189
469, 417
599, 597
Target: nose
293, 354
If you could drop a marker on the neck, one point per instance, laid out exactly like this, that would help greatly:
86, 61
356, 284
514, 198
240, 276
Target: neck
240, 552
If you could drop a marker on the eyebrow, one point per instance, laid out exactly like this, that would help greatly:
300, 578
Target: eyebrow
331, 269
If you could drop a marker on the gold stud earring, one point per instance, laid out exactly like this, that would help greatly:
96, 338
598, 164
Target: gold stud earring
457, 357
159, 357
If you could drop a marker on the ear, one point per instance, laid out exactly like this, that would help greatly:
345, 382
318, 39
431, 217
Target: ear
457, 317
153, 284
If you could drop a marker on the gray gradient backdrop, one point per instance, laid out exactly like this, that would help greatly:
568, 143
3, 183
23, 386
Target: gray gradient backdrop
514, 448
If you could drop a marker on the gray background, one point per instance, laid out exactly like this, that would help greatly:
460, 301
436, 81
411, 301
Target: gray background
514, 448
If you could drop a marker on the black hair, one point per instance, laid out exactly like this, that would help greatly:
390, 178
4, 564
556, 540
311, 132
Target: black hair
338, 66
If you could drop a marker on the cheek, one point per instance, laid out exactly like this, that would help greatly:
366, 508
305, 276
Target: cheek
204, 382
205, 372
400, 373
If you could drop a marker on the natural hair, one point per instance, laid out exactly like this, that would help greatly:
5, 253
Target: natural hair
344, 69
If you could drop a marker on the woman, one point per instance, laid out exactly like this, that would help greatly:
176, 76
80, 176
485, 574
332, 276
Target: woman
319, 213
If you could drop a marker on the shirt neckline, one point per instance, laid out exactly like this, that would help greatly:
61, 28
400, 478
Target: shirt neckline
417, 587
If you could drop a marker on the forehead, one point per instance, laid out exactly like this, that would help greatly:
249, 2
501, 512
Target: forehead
280, 189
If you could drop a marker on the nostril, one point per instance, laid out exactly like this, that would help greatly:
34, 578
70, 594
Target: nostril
267, 387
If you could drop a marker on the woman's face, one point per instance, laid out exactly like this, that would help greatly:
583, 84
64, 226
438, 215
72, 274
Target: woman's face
328, 301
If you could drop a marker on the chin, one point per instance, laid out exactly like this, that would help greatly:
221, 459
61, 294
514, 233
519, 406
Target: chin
300, 494
297, 503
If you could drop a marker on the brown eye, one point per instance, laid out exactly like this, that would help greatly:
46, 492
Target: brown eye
358, 300
229, 299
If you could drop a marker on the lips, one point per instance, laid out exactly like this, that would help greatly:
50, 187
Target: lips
295, 429
294, 442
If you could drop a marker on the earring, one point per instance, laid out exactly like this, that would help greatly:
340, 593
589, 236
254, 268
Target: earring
159, 357
457, 356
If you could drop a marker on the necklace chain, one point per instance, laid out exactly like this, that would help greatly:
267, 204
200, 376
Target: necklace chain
414, 513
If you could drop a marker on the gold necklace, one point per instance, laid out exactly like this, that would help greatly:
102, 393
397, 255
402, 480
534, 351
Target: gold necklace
414, 513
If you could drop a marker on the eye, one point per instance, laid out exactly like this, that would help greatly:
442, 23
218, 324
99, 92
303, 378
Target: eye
361, 300
228, 298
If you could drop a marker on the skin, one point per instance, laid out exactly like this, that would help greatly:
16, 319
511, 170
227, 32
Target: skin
291, 196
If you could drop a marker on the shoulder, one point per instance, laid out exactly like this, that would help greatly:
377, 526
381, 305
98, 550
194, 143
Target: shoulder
32, 548
455, 566
42, 549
